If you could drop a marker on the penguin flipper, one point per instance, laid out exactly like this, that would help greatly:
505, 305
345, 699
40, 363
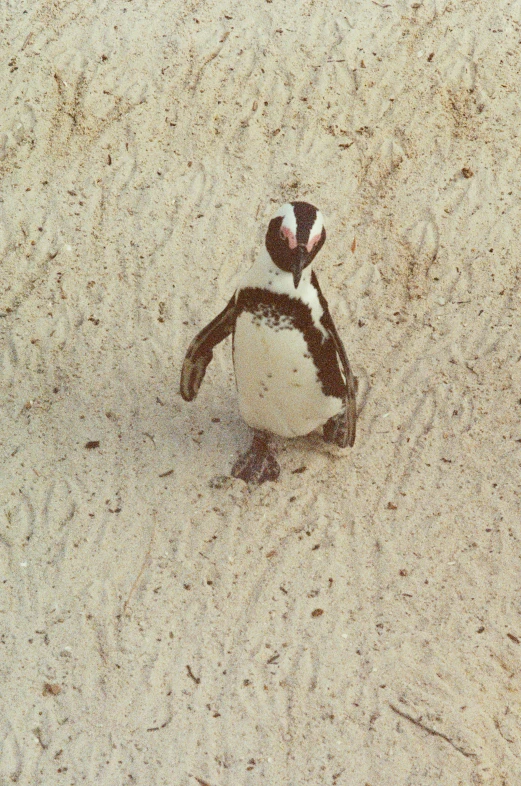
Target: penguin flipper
200, 352
337, 430
341, 429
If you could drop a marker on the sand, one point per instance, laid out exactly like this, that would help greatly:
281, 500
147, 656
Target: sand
358, 622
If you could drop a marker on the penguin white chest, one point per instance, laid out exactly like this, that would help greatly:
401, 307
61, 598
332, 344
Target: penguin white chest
277, 379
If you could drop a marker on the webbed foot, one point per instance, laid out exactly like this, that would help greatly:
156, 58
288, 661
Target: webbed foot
258, 464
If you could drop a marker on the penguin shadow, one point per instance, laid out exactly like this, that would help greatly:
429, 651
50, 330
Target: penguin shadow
309, 455
215, 430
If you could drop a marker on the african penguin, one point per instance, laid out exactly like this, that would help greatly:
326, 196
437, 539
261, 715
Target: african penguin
291, 368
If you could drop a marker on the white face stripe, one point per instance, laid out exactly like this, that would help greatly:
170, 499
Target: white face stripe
288, 218
316, 231
318, 226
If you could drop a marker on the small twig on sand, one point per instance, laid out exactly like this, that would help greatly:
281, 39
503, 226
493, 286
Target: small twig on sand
430, 731
145, 564
192, 676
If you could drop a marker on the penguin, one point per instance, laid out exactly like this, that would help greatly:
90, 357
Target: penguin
291, 368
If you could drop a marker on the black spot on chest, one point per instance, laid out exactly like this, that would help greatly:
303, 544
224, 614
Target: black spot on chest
282, 312
267, 314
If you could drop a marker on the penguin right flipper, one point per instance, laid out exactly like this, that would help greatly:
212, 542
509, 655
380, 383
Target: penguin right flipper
200, 352
341, 429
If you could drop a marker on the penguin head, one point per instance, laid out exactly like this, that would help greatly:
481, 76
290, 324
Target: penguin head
295, 236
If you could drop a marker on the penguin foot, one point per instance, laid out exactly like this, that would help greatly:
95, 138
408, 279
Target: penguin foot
336, 430
258, 464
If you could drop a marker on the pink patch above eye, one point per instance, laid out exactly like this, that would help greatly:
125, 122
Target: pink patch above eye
312, 241
287, 233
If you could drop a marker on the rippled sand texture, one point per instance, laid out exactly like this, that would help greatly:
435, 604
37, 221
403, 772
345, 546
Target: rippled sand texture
358, 622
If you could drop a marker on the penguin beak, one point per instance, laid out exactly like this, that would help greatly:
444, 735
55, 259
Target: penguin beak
299, 264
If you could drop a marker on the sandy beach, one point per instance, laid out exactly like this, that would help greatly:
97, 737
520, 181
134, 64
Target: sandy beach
357, 622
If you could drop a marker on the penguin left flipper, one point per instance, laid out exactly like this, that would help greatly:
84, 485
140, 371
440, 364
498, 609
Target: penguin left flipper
200, 352
341, 429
